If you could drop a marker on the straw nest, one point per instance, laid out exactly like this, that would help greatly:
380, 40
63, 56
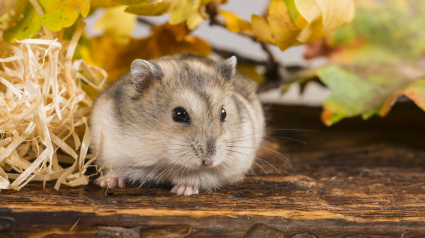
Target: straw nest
44, 111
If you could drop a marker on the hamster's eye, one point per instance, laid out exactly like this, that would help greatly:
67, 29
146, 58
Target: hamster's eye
180, 115
223, 114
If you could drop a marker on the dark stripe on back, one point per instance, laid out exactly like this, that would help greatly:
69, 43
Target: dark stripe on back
242, 105
238, 105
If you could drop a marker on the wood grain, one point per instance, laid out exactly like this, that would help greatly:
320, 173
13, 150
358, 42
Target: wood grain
357, 178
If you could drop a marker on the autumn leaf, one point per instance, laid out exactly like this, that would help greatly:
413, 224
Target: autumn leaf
251, 72
152, 8
27, 26
60, 14
366, 96
380, 58
102, 3
138, 2
116, 23
235, 23
262, 30
295, 22
189, 11
166, 39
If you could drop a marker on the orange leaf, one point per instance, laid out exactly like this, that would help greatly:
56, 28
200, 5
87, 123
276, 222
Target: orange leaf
166, 39
262, 30
234, 22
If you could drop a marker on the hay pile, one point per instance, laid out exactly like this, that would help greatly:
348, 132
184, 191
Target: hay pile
44, 111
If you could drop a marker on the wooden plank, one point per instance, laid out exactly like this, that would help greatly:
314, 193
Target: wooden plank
355, 178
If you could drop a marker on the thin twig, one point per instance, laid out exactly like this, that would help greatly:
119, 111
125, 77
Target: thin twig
275, 73
144, 21
241, 59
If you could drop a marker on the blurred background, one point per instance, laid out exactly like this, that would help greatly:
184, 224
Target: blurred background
314, 94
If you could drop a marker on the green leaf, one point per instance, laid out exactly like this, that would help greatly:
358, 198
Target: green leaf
295, 22
28, 25
351, 96
60, 14
138, 2
380, 57
117, 23
365, 95
188, 11
156, 9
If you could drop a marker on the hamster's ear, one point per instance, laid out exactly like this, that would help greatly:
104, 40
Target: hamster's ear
227, 68
145, 73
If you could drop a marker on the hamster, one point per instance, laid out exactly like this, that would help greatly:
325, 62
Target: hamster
183, 120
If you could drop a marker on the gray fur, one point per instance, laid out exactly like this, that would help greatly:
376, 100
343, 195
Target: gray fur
142, 142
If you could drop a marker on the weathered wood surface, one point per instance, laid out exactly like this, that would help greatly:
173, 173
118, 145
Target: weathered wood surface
354, 179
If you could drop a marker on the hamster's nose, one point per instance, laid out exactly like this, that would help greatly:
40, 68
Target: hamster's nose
207, 162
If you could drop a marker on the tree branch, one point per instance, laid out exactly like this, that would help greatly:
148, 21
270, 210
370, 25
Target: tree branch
274, 78
275, 74
144, 21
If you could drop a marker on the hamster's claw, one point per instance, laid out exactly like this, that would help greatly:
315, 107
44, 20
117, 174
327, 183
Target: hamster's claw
184, 189
113, 182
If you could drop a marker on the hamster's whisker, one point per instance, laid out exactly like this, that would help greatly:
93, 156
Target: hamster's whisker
288, 138
244, 147
170, 171
279, 155
261, 168
170, 135
158, 177
253, 172
175, 169
270, 165
165, 172
303, 130
232, 141
154, 170
157, 167
266, 137
282, 157
246, 135
257, 158
132, 164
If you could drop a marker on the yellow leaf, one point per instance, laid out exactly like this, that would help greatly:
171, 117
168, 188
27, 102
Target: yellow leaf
156, 9
60, 14
311, 15
189, 12
262, 30
137, 2
205, 2
314, 20
251, 72
284, 30
102, 3
194, 20
335, 13
25, 28
117, 23
234, 22
182, 10
166, 39
181, 15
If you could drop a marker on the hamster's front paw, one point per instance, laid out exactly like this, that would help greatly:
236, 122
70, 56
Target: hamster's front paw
112, 183
185, 189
